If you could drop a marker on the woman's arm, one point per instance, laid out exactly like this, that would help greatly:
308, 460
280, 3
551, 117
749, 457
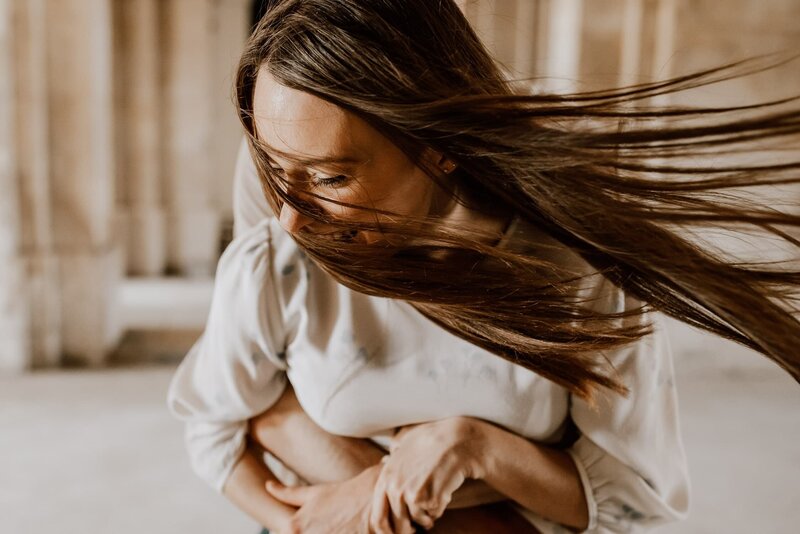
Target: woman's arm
431, 461
286, 431
246, 489
325, 457
540, 478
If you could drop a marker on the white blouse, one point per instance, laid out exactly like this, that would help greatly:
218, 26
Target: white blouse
362, 366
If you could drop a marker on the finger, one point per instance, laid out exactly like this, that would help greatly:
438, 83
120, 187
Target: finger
399, 510
379, 513
442, 487
426, 511
421, 509
294, 496
421, 517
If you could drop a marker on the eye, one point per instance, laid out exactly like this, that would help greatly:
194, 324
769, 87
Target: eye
330, 181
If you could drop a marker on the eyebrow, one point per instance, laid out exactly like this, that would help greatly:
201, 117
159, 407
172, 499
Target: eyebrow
339, 160
311, 161
306, 162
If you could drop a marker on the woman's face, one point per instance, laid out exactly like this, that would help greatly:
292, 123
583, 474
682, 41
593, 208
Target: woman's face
325, 150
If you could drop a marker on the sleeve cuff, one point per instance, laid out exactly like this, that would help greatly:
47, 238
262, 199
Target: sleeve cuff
591, 502
617, 497
231, 459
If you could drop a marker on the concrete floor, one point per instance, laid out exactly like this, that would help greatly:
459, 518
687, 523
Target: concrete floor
96, 452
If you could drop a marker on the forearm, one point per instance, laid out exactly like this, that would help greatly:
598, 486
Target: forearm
540, 478
245, 488
286, 431
324, 457
475, 493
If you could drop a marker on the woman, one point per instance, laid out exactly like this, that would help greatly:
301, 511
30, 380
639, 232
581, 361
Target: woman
430, 220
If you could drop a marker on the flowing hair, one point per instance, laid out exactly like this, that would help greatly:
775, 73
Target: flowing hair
627, 187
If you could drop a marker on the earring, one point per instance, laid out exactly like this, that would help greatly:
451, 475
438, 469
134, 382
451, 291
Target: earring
447, 165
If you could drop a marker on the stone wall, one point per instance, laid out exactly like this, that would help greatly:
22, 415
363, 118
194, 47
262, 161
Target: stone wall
118, 134
116, 126
15, 339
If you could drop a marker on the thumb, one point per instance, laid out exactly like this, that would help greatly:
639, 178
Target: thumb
294, 496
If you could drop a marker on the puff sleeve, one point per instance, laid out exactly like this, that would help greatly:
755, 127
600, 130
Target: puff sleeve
630, 454
249, 204
236, 369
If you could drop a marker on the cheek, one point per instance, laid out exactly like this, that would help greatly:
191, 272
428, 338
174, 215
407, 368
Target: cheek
356, 197
341, 213
403, 193
414, 197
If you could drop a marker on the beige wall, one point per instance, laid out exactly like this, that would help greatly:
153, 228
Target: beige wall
118, 135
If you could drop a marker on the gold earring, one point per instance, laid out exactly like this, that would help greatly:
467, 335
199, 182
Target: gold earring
448, 166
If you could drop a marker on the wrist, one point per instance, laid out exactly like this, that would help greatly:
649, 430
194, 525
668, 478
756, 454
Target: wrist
371, 473
474, 437
280, 524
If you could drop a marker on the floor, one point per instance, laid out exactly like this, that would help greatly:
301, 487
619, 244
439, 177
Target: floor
87, 451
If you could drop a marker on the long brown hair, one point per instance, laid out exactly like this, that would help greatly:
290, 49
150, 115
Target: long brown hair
599, 172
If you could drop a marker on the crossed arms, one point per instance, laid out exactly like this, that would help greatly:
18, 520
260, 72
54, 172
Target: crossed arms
458, 473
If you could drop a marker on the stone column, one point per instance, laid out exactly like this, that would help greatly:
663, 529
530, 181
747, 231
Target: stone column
631, 43
192, 220
15, 351
563, 27
231, 27
470, 9
495, 23
664, 45
82, 167
526, 37
483, 20
464, 6
142, 224
30, 53
506, 29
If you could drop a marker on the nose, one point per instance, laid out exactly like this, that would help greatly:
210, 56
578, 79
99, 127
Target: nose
292, 220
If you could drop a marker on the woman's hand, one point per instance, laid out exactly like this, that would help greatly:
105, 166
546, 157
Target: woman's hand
341, 507
426, 465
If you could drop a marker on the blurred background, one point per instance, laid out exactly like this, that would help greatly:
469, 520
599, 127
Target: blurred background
118, 138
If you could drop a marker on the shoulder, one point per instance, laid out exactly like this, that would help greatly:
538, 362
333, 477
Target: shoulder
603, 297
567, 268
255, 250
250, 285
249, 204
590, 285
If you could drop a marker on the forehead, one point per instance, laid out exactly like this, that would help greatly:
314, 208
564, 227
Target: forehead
302, 124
